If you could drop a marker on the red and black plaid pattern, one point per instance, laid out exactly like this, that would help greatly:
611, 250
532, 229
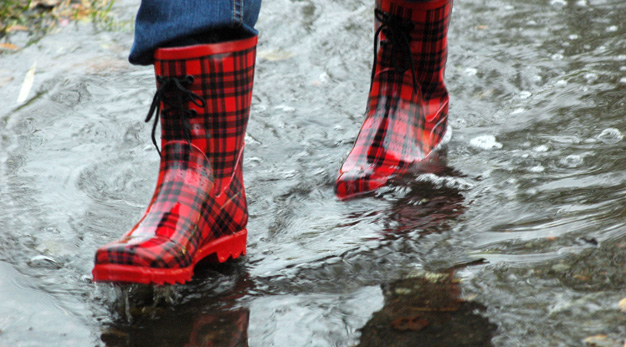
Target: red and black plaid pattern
199, 205
407, 110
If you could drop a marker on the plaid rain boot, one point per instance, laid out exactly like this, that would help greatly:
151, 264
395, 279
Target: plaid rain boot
199, 205
407, 112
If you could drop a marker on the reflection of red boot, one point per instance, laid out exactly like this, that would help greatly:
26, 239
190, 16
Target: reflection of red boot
199, 205
407, 112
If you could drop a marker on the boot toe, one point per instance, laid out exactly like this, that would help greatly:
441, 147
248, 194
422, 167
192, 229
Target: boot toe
358, 181
154, 252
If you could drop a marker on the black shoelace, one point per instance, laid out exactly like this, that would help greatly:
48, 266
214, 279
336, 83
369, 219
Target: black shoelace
398, 35
174, 93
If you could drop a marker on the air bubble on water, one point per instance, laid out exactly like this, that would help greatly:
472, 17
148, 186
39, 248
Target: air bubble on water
486, 142
574, 37
518, 111
572, 160
622, 68
541, 148
621, 57
558, 3
623, 80
323, 77
285, 108
509, 7
557, 56
581, 3
537, 78
591, 77
470, 71
537, 169
531, 23
610, 136
447, 182
600, 49
612, 29
525, 94
561, 83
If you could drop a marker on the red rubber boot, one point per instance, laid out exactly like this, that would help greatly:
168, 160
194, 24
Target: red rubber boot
407, 112
199, 205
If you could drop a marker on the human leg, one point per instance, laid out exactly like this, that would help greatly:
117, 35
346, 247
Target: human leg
179, 23
407, 110
199, 205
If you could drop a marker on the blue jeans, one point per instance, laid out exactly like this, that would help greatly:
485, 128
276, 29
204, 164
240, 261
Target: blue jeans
162, 21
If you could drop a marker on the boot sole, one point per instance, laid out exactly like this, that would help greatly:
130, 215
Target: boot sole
224, 248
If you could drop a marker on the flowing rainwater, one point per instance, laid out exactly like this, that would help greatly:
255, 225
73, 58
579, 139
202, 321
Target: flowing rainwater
526, 205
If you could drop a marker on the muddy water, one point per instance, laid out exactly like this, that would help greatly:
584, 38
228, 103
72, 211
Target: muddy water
526, 205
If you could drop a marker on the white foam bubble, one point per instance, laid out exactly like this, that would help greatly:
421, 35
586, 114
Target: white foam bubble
573, 160
486, 142
541, 148
470, 71
448, 182
612, 28
557, 56
537, 169
591, 77
524, 94
610, 136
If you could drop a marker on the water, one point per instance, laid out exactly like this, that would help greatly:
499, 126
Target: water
526, 205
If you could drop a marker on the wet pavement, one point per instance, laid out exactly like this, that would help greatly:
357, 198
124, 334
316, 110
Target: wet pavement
515, 235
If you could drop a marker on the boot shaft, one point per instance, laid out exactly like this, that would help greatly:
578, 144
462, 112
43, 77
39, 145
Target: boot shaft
425, 25
221, 76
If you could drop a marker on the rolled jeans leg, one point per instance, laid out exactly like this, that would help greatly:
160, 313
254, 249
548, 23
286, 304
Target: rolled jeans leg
162, 21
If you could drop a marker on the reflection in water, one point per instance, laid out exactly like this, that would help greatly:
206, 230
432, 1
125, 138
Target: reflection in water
424, 309
206, 312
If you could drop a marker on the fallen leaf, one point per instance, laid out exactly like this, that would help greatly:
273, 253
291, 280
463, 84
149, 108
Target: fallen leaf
45, 3
29, 78
600, 341
622, 305
9, 46
481, 27
581, 277
16, 28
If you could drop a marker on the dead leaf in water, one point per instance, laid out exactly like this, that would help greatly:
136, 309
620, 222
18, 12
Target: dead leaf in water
601, 340
9, 46
622, 305
45, 3
27, 85
16, 28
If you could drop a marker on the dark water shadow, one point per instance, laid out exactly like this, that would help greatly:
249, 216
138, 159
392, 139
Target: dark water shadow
424, 309
205, 312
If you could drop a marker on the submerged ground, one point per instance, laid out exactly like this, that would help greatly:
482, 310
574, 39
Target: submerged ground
516, 236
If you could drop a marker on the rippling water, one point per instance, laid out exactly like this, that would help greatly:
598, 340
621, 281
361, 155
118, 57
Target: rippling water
533, 182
